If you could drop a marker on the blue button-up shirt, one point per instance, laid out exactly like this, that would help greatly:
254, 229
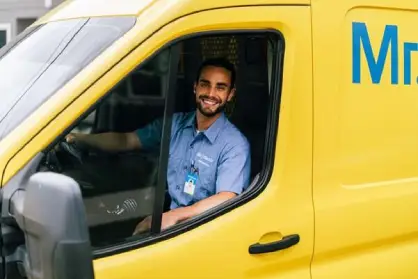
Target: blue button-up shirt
221, 155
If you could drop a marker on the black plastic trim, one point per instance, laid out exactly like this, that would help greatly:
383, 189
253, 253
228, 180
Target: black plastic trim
165, 142
287, 242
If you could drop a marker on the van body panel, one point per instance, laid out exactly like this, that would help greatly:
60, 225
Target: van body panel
365, 139
168, 10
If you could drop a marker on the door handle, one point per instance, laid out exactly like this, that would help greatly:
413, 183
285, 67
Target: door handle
286, 242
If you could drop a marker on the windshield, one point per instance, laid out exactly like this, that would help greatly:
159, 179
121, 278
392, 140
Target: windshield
38, 65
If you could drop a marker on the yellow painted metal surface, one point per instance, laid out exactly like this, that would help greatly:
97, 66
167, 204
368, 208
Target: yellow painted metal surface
170, 9
365, 140
352, 139
284, 208
219, 249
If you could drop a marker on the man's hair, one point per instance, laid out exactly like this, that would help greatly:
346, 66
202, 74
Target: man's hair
221, 63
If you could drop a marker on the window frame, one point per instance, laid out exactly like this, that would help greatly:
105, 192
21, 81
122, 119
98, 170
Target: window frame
8, 28
270, 138
170, 89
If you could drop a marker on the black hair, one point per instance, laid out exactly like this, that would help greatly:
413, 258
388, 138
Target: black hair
218, 62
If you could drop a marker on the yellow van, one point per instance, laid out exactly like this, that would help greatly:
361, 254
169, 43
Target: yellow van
326, 96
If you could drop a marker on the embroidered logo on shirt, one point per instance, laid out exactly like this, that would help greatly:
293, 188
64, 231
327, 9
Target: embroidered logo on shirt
204, 159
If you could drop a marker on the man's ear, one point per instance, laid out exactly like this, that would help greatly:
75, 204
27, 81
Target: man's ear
231, 94
194, 87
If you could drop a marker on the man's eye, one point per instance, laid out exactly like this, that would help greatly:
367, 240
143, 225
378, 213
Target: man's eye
221, 88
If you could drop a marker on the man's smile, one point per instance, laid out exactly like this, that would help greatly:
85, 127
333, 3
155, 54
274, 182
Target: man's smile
208, 101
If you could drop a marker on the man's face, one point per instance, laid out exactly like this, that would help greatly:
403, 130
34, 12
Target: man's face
213, 90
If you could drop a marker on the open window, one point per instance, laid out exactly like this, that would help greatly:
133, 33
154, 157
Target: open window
122, 188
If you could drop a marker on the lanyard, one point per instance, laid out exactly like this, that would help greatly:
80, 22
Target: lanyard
193, 168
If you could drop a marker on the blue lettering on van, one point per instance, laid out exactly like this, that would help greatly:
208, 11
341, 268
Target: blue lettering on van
389, 42
408, 49
361, 38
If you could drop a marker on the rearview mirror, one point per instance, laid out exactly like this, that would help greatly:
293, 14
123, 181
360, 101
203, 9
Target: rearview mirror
49, 211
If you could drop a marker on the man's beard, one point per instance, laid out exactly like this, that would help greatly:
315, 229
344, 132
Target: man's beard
219, 109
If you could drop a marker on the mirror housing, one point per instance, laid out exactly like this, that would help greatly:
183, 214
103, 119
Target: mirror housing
49, 210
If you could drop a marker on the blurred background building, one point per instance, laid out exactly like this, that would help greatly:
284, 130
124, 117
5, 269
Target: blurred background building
16, 15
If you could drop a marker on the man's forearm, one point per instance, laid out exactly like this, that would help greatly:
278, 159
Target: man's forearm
112, 142
188, 212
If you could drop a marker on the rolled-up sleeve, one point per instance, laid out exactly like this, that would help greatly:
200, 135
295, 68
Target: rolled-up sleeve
233, 173
150, 135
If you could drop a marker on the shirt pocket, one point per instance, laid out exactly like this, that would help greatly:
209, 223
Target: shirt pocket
206, 182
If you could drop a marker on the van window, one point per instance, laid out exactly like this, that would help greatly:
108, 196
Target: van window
41, 62
121, 188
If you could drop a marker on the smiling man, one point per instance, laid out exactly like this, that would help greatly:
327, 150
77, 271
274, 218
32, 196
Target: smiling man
209, 160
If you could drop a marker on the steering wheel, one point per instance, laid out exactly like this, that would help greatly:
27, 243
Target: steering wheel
73, 150
66, 154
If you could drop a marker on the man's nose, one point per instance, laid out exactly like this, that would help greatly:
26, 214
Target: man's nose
212, 91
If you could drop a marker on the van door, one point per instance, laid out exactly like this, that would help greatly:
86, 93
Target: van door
266, 232
220, 247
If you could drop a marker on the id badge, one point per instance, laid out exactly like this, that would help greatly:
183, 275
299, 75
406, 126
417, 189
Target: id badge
190, 183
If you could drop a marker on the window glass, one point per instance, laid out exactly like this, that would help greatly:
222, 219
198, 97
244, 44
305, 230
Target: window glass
118, 184
42, 62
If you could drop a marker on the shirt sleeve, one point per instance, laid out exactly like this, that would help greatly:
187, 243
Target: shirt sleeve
234, 169
150, 134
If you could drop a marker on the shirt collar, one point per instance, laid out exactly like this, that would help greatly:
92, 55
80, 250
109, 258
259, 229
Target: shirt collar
213, 131
190, 120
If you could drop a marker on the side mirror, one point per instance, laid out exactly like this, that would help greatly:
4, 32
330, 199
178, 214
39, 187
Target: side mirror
49, 210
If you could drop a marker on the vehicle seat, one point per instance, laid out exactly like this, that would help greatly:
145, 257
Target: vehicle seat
251, 105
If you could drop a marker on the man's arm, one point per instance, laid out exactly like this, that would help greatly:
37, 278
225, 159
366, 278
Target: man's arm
111, 142
233, 177
146, 137
233, 174
180, 214
184, 213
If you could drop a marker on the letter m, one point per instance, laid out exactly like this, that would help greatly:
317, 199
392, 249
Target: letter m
361, 39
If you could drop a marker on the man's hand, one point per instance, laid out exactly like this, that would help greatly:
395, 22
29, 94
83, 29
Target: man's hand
143, 226
70, 138
169, 219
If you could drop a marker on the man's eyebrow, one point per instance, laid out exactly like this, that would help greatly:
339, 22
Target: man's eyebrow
222, 84
217, 84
